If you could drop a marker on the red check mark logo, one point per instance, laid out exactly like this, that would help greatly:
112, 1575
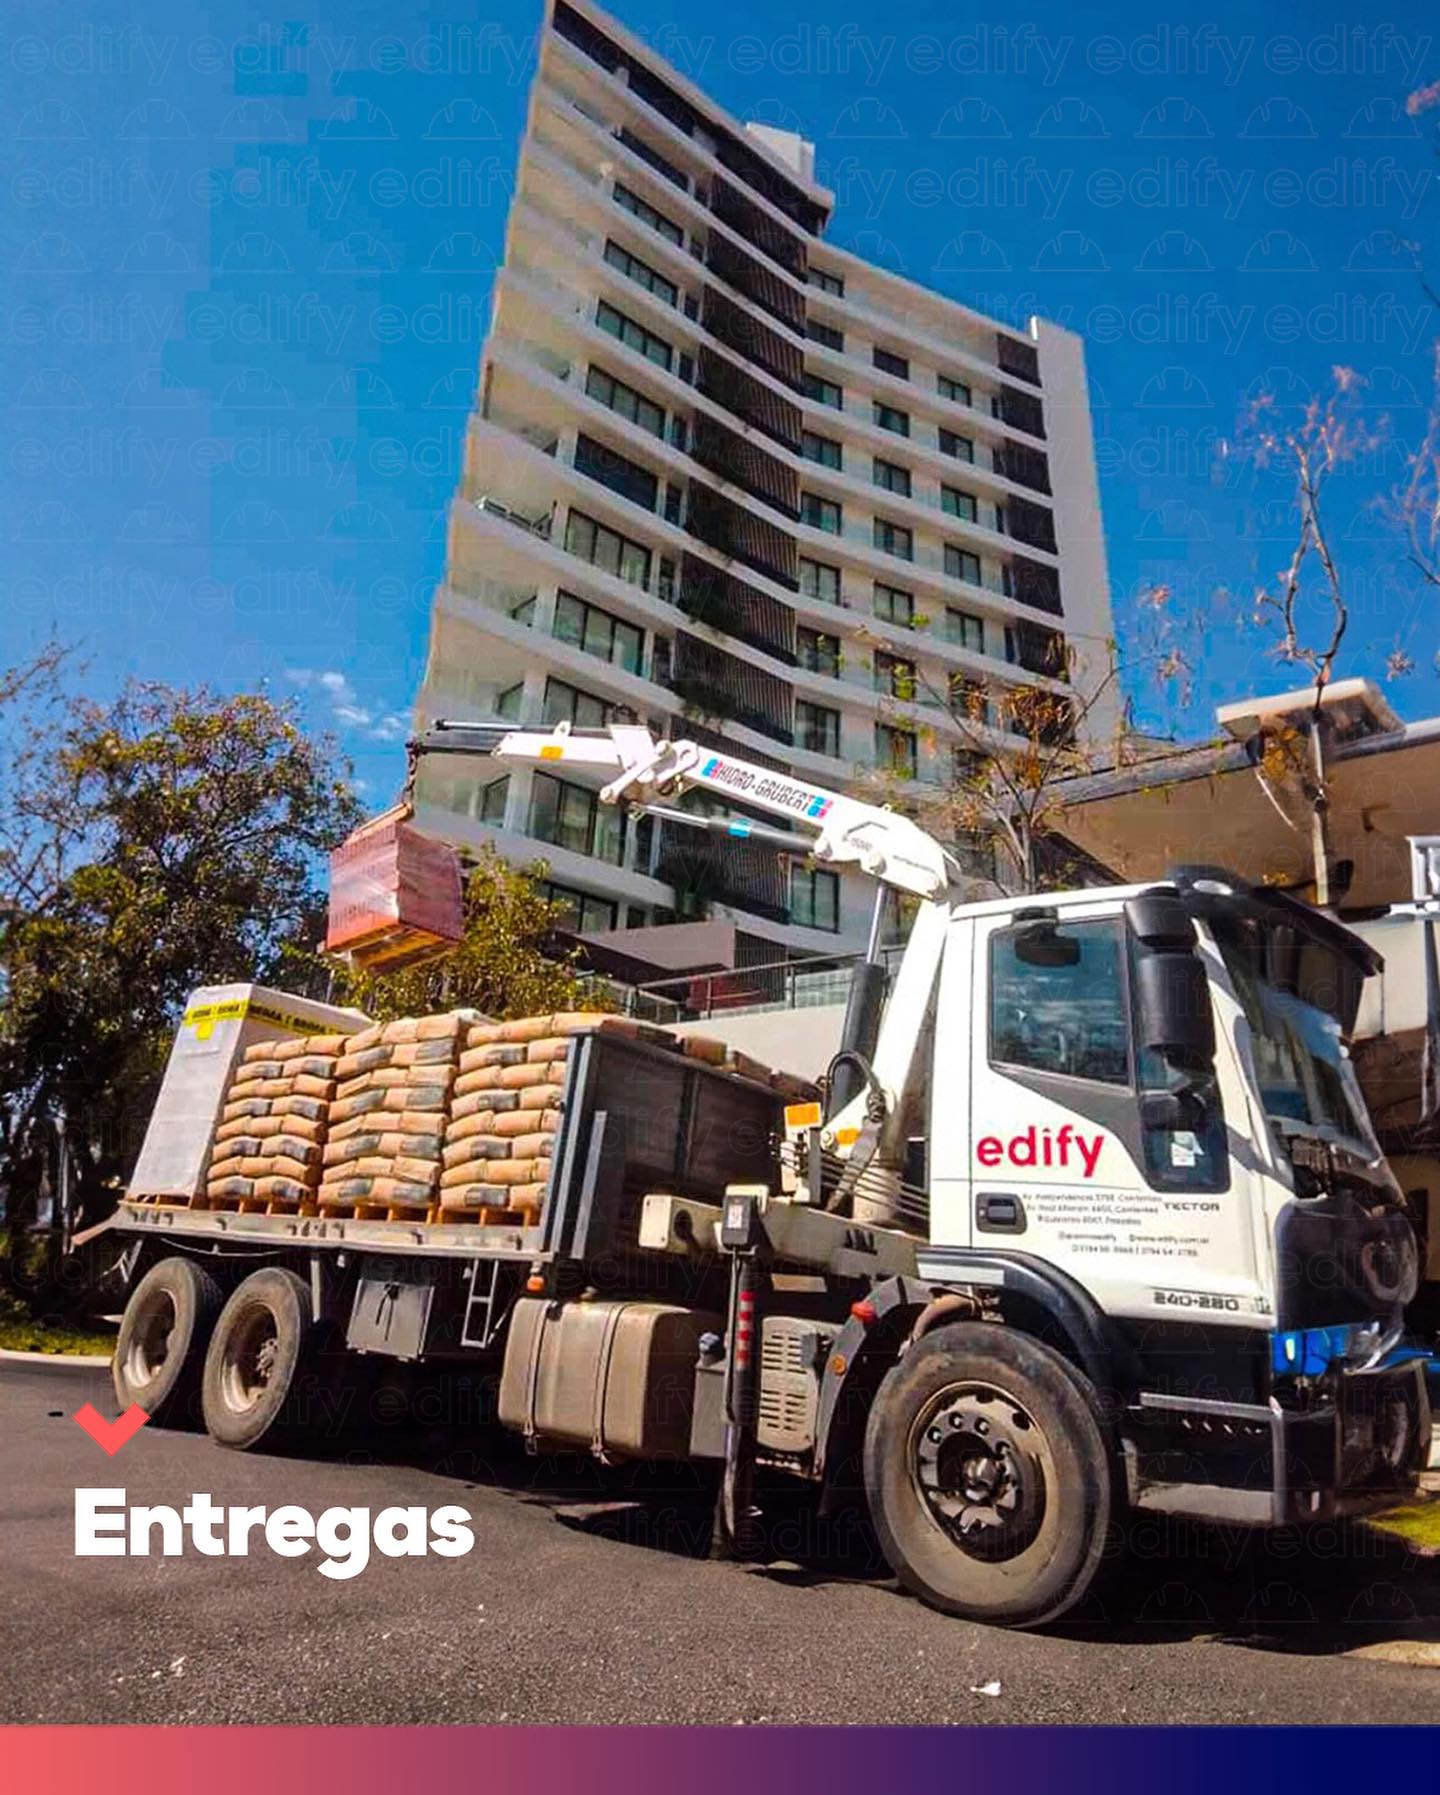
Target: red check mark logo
110, 1436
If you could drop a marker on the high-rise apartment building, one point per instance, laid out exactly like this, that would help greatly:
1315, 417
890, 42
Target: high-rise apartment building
734, 481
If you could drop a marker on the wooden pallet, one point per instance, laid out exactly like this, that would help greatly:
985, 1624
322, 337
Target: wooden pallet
371, 1212
484, 1218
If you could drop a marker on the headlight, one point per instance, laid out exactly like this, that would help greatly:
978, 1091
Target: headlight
1349, 1346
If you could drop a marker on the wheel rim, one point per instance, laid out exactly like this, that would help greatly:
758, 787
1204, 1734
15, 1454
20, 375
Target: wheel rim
251, 1357
978, 1464
152, 1341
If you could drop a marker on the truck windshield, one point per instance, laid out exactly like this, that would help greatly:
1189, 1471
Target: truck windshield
1307, 1082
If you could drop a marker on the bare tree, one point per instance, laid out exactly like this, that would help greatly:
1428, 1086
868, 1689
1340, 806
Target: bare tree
1012, 747
1416, 504
1305, 604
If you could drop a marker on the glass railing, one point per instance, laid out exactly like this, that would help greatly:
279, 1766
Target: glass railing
816, 980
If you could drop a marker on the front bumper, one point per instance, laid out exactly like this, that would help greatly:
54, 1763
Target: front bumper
1356, 1452
1360, 1445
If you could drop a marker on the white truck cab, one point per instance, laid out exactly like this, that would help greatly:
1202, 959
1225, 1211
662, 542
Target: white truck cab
1164, 1177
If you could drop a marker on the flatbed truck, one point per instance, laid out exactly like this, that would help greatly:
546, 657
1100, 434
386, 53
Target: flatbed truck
1092, 1223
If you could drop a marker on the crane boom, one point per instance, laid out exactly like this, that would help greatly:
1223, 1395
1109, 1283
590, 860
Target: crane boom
847, 831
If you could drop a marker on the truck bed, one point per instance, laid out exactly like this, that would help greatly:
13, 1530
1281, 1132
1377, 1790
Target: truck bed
636, 1118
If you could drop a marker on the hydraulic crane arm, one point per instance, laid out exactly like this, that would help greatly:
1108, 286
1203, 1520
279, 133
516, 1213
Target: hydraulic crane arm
846, 831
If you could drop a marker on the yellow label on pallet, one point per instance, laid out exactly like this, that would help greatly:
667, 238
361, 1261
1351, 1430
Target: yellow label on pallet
204, 1017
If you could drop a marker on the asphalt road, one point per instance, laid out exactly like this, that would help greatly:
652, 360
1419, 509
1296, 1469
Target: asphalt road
589, 1598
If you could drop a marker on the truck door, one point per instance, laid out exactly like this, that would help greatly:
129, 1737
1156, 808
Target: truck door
949, 1152
1066, 1161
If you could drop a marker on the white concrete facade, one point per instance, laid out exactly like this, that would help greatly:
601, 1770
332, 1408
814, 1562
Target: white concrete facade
709, 449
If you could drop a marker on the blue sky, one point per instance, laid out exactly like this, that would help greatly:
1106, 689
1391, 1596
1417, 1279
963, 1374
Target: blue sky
249, 278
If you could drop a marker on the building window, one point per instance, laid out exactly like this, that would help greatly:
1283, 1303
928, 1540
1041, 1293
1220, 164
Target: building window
892, 364
607, 549
895, 539
571, 816
568, 704
661, 164
616, 471
581, 911
965, 629
959, 447
894, 606
890, 417
633, 335
819, 580
817, 652
896, 750
625, 400
960, 564
646, 213
969, 699
492, 802
955, 390
593, 631
817, 728
959, 504
892, 477
642, 274
820, 514
824, 392
823, 449
814, 898
827, 283
894, 675
826, 334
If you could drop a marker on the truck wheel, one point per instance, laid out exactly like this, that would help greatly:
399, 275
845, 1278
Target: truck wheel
161, 1345
256, 1349
988, 1476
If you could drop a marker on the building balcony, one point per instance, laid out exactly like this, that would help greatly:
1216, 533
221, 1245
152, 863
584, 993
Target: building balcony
736, 609
757, 283
1020, 359
703, 871
583, 150
737, 533
717, 684
747, 220
653, 103
741, 462
743, 332
942, 332
750, 400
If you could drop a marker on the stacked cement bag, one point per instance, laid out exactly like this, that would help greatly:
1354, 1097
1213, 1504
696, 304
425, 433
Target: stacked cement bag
267, 1151
387, 1123
506, 1112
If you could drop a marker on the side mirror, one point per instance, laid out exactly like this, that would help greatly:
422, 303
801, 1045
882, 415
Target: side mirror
1172, 994
1042, 944
1172, 1007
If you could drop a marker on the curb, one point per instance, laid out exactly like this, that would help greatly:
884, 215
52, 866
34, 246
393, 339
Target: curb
69, 1360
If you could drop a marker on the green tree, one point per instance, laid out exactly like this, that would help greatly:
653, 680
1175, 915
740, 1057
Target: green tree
506, 964
167, 839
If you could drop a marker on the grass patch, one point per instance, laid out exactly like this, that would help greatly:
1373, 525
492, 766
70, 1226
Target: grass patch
1415, 1524
20, 1331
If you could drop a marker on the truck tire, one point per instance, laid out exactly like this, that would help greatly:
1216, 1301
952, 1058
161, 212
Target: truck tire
260, 1342
988, 1476
160, 1349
